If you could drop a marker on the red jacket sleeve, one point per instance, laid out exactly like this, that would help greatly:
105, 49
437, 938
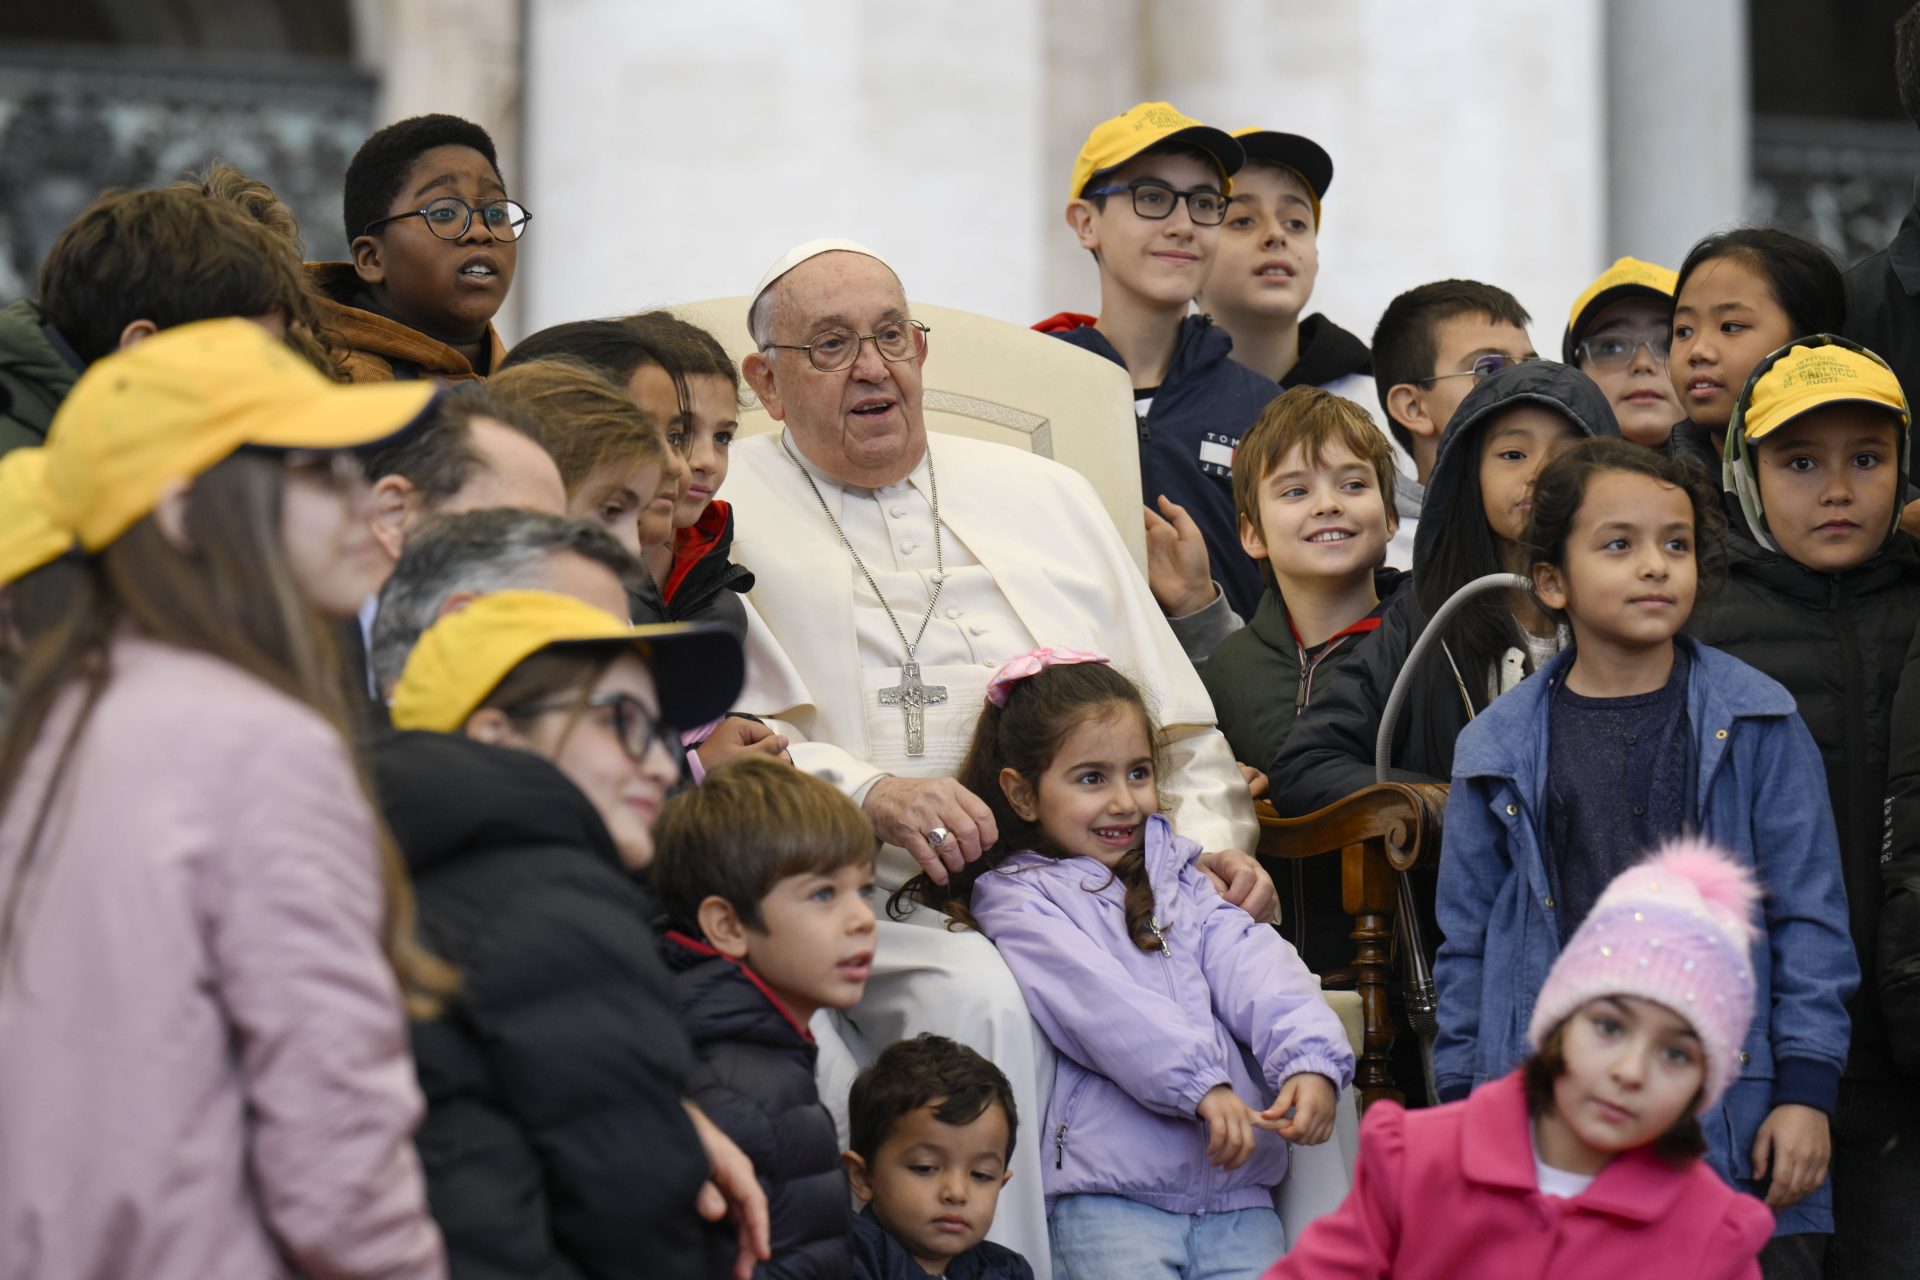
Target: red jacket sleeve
1358, 1240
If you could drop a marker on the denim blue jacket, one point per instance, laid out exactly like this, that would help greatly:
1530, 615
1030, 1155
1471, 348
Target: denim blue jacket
1762, 797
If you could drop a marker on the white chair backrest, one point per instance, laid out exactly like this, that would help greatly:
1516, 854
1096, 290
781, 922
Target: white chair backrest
997, 381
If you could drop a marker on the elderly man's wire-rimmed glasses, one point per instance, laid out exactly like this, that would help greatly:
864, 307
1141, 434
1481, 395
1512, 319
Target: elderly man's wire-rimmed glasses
835, 349
450, 216
1154, 200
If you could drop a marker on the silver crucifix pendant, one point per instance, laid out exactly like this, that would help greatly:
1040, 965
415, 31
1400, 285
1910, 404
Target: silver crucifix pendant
913, 697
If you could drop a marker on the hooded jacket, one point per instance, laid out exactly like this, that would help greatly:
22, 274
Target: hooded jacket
1757, 797
379, 349
1121, 1120
704, 585
1329, 753
755, 1081
1187, 438
1839, 643
1259, 687
556, 1142
37, 369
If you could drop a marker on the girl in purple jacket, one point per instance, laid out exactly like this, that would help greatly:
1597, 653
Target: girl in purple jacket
1193, 1043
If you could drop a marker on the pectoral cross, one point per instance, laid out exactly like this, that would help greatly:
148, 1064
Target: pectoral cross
913, 698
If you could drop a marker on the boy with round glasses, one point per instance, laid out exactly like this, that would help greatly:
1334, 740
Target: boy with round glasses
435, 240
1618, 334
1150, 190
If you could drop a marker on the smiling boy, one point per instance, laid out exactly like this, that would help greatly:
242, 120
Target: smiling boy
1148, 195
932, 1128
768, 874
1313, 489
434, 239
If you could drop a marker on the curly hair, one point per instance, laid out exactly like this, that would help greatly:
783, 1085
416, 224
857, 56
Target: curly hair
379, 168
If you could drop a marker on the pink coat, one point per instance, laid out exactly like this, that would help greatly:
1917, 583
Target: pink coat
1451, 1192
204, 1065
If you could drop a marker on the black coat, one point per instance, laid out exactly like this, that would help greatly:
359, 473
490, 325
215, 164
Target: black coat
1839, 643
755, 1081
1883, 302
878, 1256
709, 589
1327, 354
556, 1142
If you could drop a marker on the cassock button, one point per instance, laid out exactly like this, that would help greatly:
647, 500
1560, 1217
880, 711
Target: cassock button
908, 548
953, 613
897, 512
978, 629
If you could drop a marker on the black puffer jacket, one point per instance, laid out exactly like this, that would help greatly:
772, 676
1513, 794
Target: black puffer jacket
756, 1082
1329, 752
704, 585
556, 1143
1838, 642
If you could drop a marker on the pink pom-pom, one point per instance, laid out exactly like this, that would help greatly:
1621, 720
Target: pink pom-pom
1727, 888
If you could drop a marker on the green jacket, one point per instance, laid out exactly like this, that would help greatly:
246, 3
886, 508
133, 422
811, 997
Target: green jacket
1254, 678
37, 370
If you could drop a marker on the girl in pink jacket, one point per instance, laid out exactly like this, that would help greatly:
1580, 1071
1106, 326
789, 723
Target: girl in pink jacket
1585, 1161
203, 936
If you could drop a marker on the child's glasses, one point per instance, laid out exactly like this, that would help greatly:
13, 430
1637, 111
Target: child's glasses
636, 730
450, 216
1483, 368
1155, 200
1616, 350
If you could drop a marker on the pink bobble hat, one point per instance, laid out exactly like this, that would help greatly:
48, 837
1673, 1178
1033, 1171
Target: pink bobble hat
1678, 930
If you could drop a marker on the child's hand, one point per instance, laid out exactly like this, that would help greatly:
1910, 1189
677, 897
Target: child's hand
1311, 1098
1230, 1125
1795, 1143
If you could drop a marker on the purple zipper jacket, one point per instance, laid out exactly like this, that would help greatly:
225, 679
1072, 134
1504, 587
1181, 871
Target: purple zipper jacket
1143, 1035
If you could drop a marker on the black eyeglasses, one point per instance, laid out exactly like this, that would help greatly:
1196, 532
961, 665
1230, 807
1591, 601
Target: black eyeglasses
1154, 199
450, 216
1615, 350
1483, 368
835, 349
637, 729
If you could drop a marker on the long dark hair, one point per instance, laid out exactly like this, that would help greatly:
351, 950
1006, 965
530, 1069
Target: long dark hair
1024, 736
1562, 488
1454, 544
231, 595
1802, 275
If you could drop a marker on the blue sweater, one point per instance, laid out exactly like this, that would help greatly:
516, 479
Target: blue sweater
1762, 796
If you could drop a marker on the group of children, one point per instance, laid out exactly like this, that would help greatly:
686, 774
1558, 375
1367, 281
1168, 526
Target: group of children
596, 1057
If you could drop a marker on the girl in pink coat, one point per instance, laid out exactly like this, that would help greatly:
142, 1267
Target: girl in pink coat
1585, 1161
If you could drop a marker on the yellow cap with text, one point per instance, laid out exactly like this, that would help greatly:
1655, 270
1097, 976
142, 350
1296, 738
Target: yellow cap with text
1809, 378
1114, 142
1626, 277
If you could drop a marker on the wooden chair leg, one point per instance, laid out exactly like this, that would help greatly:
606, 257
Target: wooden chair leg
1367, 893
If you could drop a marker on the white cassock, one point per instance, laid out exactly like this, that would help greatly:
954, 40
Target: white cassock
1031, 559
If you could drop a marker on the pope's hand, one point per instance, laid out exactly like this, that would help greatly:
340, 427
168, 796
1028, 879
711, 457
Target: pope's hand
1241, 880
904, 810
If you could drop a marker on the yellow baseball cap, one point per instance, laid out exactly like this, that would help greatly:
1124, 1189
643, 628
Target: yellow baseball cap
1811, 377
173, 405
1302, 155
29, 535
1114, 142
1625, 277
464, 656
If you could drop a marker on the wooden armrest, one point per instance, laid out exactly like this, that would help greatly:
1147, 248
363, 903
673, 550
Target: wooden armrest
1405, 817
1378, 832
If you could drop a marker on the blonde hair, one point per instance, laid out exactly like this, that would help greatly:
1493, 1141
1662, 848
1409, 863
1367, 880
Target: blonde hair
585, 421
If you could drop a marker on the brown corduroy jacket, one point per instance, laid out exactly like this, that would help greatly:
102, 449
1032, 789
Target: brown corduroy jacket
381, 350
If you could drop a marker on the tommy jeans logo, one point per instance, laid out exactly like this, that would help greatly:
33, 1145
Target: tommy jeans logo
1216, 454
